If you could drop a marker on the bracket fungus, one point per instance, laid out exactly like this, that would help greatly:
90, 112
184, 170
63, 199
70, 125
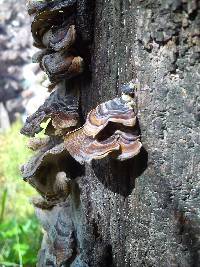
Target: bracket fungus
60, 38
42, 23
62, 110
54, 31
59, 235
120, 145
35, 6
51, 172
42, 170
59, 66
116, 110
110, 128
37, 143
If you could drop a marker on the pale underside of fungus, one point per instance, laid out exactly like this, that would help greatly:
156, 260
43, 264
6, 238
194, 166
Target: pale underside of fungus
42, 172
50, 171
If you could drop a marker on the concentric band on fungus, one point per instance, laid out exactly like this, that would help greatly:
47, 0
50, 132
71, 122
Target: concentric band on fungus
109, 129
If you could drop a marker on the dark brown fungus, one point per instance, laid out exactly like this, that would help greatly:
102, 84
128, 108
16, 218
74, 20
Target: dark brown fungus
48, 19
61, 109
41, 23
54, 31
35, 6
48, 172
62, 66
59, 234
60, 38
62, 121
29, 169
109, 129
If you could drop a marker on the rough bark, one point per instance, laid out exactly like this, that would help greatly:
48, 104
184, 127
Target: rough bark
145, 211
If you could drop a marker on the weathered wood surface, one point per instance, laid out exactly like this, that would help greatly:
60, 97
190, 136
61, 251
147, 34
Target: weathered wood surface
143, 212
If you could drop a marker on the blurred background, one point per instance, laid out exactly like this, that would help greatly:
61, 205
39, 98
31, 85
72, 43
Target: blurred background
21, 92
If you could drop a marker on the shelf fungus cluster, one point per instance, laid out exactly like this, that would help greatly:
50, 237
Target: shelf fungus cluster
110, 129
62, 31
58, 35
54, 32
50, 171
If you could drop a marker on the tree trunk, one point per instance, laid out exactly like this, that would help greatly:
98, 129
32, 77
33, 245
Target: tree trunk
144, 211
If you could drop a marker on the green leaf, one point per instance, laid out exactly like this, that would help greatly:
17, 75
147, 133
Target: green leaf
4, 263
3, 203
21, 248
